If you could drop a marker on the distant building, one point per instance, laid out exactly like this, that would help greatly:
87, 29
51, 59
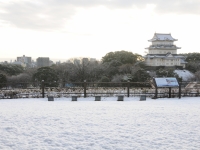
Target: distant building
58, 62
24, 60
69, 61
163, 52
93, 59
51, 62
77, 62
33, 64
85, 60
42, 61
4, 62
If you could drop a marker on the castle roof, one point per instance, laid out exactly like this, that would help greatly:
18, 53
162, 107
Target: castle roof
168, 55
163, 47
162, 37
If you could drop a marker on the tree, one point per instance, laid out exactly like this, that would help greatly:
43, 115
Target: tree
126, 68
23, 77
164, 73
21, 80
65, 72
140, 75
193, 66
197, 76
3, 80
167, 73
124, 57
193, 57
111, 68
193, 61
90, 71
104, 79
117, 78
80, 71
47, 74
10, 69
95, 72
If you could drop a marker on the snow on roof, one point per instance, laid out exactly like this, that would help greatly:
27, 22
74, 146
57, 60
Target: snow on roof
183, 61
163, 56
162, 37
185, 74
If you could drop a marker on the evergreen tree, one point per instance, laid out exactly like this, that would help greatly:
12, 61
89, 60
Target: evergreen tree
3, 80
47, 74
124, 57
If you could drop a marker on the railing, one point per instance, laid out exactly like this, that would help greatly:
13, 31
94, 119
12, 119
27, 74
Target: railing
86, 89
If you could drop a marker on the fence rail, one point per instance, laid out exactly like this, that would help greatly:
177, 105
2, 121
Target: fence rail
87, 89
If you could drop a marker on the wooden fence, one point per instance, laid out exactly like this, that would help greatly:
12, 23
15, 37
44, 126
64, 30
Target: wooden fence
88, 89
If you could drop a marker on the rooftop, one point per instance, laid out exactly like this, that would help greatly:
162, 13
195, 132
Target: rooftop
162, 37
163, 55
161, 47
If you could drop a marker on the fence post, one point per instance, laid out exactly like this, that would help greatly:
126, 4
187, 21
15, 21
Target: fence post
128, 88
156, 93
179, 93
84, 88
170, 91
42, 88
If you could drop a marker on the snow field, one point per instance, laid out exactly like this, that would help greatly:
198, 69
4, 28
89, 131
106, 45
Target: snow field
62, 124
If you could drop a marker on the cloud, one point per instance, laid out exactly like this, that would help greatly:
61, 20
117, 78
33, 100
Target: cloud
54, 14
164, 6
36, 15
178, 6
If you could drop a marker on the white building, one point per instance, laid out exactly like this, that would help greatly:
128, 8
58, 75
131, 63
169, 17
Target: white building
25, 60
163, 52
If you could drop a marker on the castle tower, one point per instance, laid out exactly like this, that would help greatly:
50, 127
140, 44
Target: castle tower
163, 52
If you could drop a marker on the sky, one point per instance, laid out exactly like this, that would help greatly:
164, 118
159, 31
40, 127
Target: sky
63, 29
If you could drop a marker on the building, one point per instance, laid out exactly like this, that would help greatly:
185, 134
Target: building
93, 59
85, 60
26, 61
51, 62
163, 52
4, 62
77, 62
42, 61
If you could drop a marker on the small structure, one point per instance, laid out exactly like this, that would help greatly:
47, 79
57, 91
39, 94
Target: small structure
143, 98
74, 98
120, 98
50, 98
97, 98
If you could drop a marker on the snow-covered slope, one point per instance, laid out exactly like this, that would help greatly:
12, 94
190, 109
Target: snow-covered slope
185, 74
35, 124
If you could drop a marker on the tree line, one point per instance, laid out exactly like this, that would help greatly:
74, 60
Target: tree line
118, 66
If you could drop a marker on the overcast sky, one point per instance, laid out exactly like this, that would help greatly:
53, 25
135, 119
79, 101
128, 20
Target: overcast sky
62, 29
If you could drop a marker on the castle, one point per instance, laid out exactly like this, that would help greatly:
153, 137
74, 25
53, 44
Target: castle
163, 52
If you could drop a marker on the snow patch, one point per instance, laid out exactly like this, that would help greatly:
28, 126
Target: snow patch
185, 74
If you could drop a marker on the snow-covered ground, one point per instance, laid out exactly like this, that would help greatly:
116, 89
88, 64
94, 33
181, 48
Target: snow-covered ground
185, 74
35, 124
